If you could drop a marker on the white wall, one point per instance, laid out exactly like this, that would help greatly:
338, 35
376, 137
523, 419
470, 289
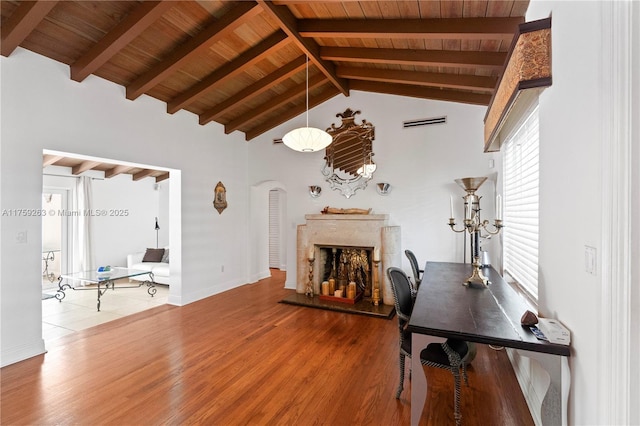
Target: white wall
419, 163
574, 153
43, 109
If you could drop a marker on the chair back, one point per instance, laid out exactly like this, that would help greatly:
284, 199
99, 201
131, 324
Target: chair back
401, 287
414, 267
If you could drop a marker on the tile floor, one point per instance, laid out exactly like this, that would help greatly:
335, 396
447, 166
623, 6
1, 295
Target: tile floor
78, 310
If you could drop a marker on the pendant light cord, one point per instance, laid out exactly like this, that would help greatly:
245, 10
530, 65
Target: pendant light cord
307, 90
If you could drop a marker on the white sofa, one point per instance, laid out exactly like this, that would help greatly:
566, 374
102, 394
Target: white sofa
160, 270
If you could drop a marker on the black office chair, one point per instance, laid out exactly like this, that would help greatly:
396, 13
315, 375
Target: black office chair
450, 355
417, 272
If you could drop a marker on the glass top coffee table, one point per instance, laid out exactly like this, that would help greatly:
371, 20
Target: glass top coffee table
103, 281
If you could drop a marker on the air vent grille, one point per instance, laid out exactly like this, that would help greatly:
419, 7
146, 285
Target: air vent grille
277, 141
424, 122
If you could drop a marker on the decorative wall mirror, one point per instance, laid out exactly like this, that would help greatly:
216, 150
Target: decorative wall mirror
349, 159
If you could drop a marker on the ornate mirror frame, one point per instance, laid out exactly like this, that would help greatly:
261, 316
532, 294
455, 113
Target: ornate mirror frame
345, 158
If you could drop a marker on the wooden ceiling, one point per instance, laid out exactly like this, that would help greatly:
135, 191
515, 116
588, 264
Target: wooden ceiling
242, 63
79, 166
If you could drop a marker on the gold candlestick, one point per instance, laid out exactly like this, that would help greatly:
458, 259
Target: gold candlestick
309, 290
376, 284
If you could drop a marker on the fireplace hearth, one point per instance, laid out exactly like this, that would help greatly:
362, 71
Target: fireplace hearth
343, 246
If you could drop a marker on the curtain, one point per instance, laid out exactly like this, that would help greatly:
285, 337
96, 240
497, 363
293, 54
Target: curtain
82, 247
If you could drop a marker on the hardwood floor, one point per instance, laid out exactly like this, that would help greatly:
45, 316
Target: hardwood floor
241, 358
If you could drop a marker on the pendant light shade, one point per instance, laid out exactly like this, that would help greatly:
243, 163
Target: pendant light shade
307, 139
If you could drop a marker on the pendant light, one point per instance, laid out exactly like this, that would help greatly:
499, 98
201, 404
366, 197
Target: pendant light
307, 139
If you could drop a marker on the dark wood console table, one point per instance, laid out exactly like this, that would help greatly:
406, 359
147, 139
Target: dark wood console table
445, 308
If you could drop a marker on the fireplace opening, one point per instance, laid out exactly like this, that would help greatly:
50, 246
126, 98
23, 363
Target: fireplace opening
345, 265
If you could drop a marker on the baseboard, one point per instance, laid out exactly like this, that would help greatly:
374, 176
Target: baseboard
523, 374
20, 353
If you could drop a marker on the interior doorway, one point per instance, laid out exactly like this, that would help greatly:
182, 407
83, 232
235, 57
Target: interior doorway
129, 211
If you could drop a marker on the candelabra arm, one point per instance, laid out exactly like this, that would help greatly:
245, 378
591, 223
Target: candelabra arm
452, 224
497, 225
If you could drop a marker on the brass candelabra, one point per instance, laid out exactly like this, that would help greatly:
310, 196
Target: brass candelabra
474, 225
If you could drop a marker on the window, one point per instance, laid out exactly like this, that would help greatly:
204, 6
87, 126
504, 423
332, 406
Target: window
521, 182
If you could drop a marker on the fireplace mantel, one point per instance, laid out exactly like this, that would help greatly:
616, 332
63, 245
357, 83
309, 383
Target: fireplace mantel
348, 230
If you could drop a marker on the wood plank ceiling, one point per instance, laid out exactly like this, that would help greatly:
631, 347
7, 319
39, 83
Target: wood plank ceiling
242, 63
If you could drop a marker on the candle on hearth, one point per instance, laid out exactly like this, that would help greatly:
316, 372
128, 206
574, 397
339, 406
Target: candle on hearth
325, 288
351, 290
312, 253
332, 285
376, 254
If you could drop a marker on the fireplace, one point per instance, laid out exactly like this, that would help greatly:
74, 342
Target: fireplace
344, 244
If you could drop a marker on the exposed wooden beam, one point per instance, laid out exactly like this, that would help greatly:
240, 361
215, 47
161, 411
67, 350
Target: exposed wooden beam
422, 92
49, 159
231, 69
117, 170
326, 94
289, 24
84, 166
115, 40
434, 28
162, 177
194, 46
19, 25
452, 81
143, 174
255, 89
274, 103
434, 58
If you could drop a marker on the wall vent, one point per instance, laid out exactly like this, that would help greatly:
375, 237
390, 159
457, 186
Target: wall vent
277, 141
424, 122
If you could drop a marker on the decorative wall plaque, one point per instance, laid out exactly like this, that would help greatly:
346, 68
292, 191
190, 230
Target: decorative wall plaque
220, 198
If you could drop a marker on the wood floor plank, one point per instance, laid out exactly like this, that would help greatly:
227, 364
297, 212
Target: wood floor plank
240, 358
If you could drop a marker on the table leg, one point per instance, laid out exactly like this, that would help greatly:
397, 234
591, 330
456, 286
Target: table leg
60, 294
418, 378
104, 290
554, 404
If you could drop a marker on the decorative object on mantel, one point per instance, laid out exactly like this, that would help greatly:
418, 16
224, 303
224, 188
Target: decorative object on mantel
220, 198
383, 188
334, 210
527, 73
349, 161
314, 191
474, 225
307, 139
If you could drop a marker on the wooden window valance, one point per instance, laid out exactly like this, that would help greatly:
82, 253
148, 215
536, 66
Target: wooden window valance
527, 73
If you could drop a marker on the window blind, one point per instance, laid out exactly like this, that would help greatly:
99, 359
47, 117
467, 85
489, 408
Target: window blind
521, 182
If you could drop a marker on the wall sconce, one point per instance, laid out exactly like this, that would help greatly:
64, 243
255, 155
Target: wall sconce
383, 188
314, 191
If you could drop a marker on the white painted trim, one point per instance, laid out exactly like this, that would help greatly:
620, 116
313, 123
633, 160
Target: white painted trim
615, 102
22, 352
522, 370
